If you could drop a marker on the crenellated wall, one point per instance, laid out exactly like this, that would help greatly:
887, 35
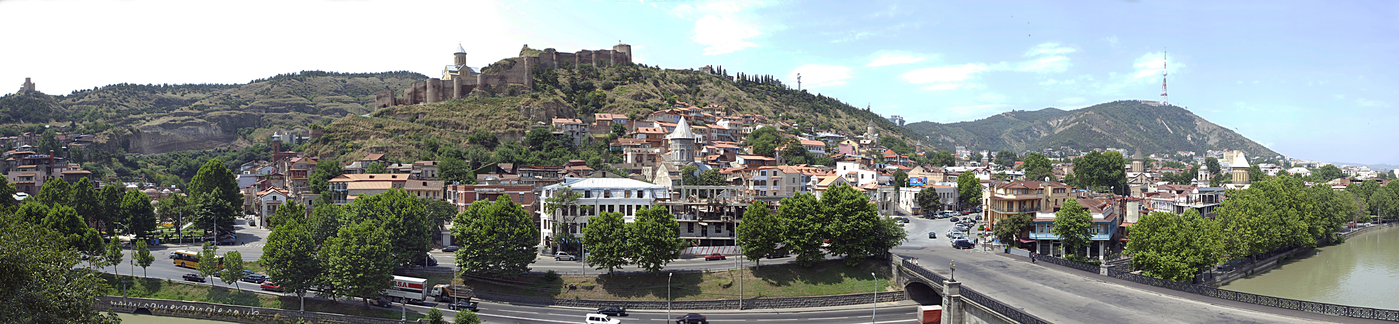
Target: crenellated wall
437, 90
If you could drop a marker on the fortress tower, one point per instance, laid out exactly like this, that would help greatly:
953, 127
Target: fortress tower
623, 49
29, 86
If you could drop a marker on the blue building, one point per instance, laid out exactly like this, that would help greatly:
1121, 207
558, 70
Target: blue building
1105, 230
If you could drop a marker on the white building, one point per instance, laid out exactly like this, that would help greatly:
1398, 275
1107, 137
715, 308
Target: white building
620, 195
855, 174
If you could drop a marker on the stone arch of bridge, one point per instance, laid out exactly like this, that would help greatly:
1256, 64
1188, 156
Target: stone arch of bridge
922, 293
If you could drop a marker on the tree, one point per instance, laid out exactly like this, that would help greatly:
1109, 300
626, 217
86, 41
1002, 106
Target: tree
1278, 212
214, 181
290, 256
137, 213
1072, 224
760, 232
64, 223
1256, 173
976, 157
853, 227
454, 170
209, 261
54, 193
1175, 247
1385, 203
764, 141
606, 240
358, 261
1102, 172
232, 268
564, 199
376, 168
619, 129
404, 220
969, 189
483, 138
1328, 172
143, 256
434, 316
655, 238
803, 228
214, 214
942, 159
1037, 167
1005, 158
1008, 229
466, 318
7, 194
1212, 164
928, 200
439, 212
109, 200
325, 170
290, 211
324, 222
40, 285
174, 208
900, 179
497, 238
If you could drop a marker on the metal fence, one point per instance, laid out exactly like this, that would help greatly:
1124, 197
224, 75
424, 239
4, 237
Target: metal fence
1071, 264
995, 305
1256, 299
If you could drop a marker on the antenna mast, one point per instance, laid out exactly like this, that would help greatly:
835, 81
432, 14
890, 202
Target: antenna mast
799, 81
1164, 98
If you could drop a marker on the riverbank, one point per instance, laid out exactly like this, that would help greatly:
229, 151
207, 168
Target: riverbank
1362, 271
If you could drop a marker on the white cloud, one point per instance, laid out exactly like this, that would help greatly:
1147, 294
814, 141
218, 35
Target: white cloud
950, 73
723, 26
816, 75
1072, 100
1048, 58
893, 58
1049, 49
1149, 65
1370, 103
1112, 41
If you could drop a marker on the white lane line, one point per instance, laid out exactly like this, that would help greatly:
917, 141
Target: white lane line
778, 320
522, 318
521, 312
897, 321
560, 314
830, 318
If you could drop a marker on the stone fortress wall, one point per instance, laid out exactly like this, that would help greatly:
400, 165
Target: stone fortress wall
514, 71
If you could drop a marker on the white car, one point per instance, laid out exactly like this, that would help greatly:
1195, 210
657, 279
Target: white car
601, 319
564, 256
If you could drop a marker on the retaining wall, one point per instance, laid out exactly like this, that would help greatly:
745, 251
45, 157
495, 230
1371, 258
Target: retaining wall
755, 303
229, 313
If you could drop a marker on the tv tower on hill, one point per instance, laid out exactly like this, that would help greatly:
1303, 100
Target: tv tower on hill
1164, 98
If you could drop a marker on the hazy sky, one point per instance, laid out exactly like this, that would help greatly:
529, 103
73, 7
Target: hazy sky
1312, 80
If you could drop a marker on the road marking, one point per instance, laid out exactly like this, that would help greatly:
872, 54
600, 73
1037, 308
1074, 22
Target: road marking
521, 318
830, 318
778, 320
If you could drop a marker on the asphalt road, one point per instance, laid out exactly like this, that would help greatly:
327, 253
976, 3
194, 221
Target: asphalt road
886, 313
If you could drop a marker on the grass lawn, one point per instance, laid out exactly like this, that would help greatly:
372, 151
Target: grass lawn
787, 280
179, 290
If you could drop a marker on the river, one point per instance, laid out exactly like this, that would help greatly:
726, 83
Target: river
1363, 271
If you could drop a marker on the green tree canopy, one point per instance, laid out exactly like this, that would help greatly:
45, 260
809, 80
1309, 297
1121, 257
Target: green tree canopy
760, 232
325, 170
606, 241
142, 255
1005, 158
137, 213
942, 159
232, 268
454, 170
854, 223
209, 261
359, 261
1037, 167
376, 168
1212, 164
803, 228
655, 238
1175, 247
1008, 229
496, 238
1072, 224
1102, 172
40, 285
969, 189
928, 200
290, 257
900, 179
403, 217
290, 211
764, 141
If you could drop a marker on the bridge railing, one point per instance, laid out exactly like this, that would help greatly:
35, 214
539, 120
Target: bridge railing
1070, 264
995, 305
1256, 299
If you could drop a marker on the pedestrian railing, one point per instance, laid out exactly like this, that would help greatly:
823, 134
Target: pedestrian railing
997, 306
1256, 299
1071, 264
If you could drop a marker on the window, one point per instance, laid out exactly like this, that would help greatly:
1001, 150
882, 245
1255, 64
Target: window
641, 194
691, 227
607, 194
587, 194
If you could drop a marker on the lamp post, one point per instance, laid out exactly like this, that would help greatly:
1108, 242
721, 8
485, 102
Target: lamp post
875, 306
953, 266
667, 295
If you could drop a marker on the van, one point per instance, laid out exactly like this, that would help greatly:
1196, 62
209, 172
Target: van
601, 319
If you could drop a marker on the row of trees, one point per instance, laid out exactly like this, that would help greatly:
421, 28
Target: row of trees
651, 241
842, 222
1273, 213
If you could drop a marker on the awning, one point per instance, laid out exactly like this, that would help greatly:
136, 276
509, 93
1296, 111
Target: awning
1027, 241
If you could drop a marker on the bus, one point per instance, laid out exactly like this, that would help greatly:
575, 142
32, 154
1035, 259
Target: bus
190, 259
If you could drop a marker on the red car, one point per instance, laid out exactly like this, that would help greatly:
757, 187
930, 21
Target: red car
269, 285
714, 256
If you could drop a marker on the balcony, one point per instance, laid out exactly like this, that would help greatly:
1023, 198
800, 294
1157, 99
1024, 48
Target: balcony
1030, 210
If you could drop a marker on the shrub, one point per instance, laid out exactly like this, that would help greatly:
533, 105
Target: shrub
551, 276
434, 316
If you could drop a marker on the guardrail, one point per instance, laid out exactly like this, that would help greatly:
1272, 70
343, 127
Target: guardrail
1071, 264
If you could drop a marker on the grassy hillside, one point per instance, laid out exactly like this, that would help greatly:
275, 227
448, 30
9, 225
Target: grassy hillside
1128, 124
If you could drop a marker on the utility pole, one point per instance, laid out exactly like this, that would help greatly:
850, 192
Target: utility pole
875, 307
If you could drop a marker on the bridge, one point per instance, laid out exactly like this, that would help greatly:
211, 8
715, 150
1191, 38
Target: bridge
995, 288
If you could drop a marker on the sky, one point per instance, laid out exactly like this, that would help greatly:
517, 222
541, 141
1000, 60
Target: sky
1309, 79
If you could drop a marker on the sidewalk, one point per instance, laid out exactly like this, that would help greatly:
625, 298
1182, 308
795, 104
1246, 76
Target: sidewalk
1195, 297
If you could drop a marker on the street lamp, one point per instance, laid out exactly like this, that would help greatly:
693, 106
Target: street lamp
953, 266
875, 307
667, 295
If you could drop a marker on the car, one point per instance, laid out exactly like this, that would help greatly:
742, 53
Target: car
172, 254
963, 244
381, 302
964, 212
776, 254
714, 256
228, 240
564, 256
463, 304
612, 310
254, 278
194, 277
269, 285
932, 235
954, 220
691, 318
451, 248
962, 228
431, 262
600, 319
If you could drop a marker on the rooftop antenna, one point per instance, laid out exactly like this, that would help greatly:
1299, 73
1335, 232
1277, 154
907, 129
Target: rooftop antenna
799, 81
1164, 99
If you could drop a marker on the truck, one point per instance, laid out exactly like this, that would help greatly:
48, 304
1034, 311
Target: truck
444, 292
407, 289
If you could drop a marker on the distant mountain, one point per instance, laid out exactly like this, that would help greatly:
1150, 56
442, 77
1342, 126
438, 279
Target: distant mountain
1127, 124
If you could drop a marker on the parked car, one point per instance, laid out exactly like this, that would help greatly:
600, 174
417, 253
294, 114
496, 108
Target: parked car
255, 278
564, 256
601, 319
194, 277
451, 248
463, 304
714, 256
381, 302
269, 285
963, 244
954, 220
691, 318
932, 235
431, 262
776, 254
612, 310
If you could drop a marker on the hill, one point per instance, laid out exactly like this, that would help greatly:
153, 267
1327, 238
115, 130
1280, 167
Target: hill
153, 119
1127, 124
578, 92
